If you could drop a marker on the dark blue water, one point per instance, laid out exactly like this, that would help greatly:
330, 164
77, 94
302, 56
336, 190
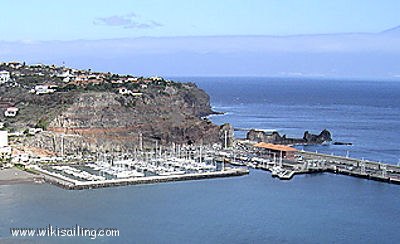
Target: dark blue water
250, 209
257, 208
366, 114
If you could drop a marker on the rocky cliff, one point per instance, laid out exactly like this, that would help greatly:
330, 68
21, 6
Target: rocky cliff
276, 138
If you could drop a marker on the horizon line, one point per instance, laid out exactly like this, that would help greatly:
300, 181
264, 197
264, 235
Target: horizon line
383, 32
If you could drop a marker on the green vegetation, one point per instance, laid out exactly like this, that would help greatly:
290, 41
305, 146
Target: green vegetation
42, 123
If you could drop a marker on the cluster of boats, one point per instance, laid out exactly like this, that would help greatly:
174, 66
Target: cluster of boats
161, 166
133, 168
115, 170
78, 173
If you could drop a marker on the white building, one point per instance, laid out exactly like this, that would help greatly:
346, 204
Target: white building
132, 79
3, 138
4, 76
124, 91
15, 65
42, 89
156, 78
5, 149
11, 112
33, 131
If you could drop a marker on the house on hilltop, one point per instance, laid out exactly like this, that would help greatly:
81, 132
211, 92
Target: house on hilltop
4, 76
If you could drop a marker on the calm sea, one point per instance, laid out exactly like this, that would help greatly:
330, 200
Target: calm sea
365, 113
257, 208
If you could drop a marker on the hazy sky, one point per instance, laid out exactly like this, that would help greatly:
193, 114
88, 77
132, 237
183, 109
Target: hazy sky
95, 19
207, 37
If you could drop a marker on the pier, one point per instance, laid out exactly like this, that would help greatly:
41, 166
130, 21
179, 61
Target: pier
284, 163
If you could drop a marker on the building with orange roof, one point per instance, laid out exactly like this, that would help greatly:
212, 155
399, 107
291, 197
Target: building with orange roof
276, 150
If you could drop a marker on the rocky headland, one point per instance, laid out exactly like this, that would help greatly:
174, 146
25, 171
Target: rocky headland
84, 111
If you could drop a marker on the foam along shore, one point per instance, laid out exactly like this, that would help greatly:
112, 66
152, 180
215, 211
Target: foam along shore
73, 184
12, 176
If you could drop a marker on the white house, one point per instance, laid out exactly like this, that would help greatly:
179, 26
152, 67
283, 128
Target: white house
5, 149
136, 94
33, 131
11, 112
4, 76
3, 138
15, 65
42, 89
132, 79
156, 78
124, 91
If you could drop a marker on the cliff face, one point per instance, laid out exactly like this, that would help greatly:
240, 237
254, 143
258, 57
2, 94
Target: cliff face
108, 118
115, 122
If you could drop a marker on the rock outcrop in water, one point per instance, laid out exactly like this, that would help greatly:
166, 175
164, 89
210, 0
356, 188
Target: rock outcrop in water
276, 138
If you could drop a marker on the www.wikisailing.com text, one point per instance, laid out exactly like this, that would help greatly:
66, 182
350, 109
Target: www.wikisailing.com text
54, 231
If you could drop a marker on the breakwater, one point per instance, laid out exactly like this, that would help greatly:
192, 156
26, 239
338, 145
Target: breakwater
309, 162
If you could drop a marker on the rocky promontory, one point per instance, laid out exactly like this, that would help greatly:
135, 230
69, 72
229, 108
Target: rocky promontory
81, 110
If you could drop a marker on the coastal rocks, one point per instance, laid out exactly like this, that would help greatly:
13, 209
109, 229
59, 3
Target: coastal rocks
340, 143
275, 138
324, 137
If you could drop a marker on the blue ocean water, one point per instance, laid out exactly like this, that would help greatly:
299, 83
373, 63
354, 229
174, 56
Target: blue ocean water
318, 208
365, 113
250, 209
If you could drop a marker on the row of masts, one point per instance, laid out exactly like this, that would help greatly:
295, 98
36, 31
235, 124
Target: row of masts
141, 148
159, 152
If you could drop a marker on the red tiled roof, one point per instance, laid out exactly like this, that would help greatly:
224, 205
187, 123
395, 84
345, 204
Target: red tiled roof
275, 147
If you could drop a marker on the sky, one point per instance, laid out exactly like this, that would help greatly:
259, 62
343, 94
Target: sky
44, 20
318, 38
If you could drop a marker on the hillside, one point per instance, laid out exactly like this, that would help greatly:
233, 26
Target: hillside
92, 111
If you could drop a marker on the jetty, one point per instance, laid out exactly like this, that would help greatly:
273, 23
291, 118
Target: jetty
285, 162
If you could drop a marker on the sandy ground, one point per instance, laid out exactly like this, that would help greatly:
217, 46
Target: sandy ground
16, 176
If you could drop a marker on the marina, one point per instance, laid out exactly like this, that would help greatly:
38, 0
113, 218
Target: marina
72, 184
181, 163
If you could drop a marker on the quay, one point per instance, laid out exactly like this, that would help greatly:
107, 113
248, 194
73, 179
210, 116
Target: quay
285, 162
357, 167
